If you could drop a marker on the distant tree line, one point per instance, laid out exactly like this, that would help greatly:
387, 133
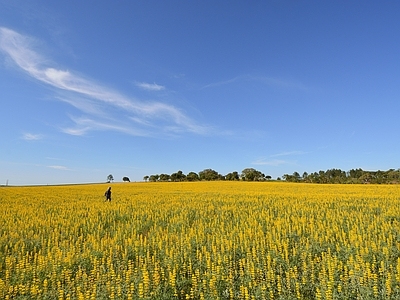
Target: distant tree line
391, 176
248, 174
352, 176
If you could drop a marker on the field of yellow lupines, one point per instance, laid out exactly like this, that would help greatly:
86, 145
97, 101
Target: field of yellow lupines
202, 240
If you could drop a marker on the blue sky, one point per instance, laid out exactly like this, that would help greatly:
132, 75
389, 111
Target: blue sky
134, 88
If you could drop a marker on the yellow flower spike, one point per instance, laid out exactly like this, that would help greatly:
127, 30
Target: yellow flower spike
298, 295
398, 270
60, 294
375, 289
388, 285
279, 284
141, 290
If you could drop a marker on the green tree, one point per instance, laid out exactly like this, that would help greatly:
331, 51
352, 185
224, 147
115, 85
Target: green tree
288, 178
322, 177
232, 176
154, 178
178, 176
393, 176
355, 173
192, 176
296, 176
250, 174
145, 178
209, 174
312, 178
165, 177
110, 178
366, 177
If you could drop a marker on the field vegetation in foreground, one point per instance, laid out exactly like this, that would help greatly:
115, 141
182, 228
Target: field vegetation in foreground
201, 240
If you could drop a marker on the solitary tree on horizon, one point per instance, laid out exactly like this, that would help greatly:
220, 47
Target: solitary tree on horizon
110, 178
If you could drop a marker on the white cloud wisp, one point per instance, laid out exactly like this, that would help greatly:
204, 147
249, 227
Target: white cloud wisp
150, 86
289, 153
56, 167
270, 81
31, 137
273, 162
105, 108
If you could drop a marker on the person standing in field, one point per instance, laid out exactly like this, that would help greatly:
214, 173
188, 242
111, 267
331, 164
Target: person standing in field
108, 194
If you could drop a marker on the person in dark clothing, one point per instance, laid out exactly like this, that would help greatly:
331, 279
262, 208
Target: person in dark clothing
108, 194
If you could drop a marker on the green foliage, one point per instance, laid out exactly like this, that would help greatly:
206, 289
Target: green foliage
352, 176
178, 176
251, 174
192, 176
232, 176
391, 176
209, 174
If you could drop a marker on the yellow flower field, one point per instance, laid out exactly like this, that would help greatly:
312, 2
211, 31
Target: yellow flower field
201, 240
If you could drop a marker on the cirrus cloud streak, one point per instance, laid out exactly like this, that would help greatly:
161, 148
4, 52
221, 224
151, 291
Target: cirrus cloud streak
272, 162
150, 86
31, 137
103, 108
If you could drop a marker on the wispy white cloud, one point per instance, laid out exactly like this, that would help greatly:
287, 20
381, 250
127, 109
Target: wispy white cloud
105, 109
31, 136
271, 81
223, 82
289, 153
61, 168
270, 162
273, 161
282, 83
150, 86
53, 158
85, 124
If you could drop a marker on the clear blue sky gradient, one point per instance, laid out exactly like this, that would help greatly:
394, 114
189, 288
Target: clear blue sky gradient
134, 88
